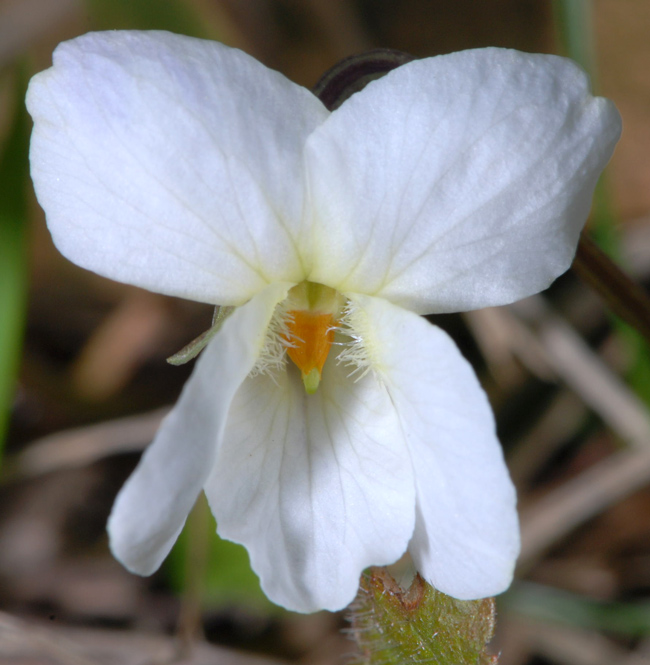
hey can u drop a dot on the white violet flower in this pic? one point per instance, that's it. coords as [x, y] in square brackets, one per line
[330, 425]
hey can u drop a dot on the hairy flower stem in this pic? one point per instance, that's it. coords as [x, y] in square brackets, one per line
[420, 625]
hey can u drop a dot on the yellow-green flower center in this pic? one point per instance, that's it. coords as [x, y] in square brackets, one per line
[313, 313]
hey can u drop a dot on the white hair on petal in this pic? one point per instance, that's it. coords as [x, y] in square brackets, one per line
[356, 351]
[353, 337]
[273, 356]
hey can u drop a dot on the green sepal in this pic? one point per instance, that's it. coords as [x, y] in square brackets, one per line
[420, 625]
[195, 347]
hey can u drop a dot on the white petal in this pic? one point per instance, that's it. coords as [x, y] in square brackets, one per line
[316, 487]
[459, 181]
[172, 163]
[151, 508]
[466, 536]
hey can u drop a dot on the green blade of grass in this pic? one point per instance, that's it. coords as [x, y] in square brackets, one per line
[574, 26]
[14, 176]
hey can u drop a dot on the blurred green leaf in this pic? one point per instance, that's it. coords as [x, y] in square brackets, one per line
[14, 176]
[219, 569]
[556, 606]
[639, 373]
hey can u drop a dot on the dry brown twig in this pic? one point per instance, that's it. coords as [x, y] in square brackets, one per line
[623, 295]
[571, 359]
[561, 420]
[86, 445]
[25, 641]
[567, 645]
[125, 339]
[608, 481]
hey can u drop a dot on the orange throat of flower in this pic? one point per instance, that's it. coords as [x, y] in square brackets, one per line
[310, 337]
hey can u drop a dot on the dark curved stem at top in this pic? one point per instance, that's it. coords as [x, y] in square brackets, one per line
[354, 73]
[623, 295]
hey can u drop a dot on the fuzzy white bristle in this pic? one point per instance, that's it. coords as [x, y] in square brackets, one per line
[356, 351]
[273, 356]
[353, 338]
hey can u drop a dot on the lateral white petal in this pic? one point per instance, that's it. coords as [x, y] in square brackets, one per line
[459, 181]
[172, 163]
[151, 508]
[466, 537]
[316, 487]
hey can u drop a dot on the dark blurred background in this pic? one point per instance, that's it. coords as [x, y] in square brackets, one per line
[84, 382]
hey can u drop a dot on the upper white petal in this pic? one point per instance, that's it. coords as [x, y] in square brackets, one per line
[151, 508]
[317, 487]
[459, 181]
[172, 163]
[466, 537]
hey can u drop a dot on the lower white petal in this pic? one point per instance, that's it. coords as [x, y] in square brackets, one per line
[317, 487]
[466, 536]
[151, 508]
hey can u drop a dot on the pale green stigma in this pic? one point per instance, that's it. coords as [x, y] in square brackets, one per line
[311, 381]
